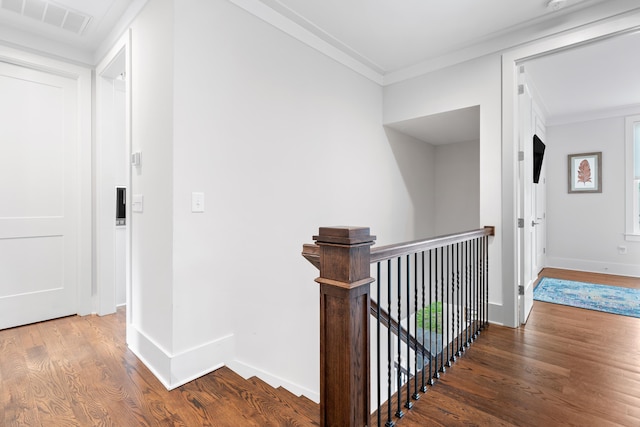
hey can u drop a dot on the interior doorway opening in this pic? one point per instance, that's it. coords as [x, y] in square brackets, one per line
[112, 214]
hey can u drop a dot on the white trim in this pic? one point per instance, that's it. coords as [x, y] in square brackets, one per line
[608, 113]
[120, 31]
[618, 269]
[248, 371]
[286, 25]
[632, 237]
[630, 193]
[175, 370]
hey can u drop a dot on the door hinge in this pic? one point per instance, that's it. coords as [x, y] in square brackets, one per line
[544, 251]
[520, 89]
[520, 156]
[520, 222]
[521, 290]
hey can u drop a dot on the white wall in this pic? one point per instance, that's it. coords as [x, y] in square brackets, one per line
[281, 140]
[150, 333]
[457, 187]
[468, 84]
[416, 160]
[585, 230]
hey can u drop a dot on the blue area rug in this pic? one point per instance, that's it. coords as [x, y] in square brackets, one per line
[610, 299]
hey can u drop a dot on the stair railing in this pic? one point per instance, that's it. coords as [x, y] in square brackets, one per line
[429, 302]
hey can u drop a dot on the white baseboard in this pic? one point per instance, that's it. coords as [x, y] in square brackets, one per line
[631, 270]
[248, 371]
[174, 370]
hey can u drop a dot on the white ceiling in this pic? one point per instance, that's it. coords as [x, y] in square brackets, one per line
[450, 127]
[390, 35]
[103, 14]
[589, 80]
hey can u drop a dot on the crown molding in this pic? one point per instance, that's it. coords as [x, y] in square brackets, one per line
[587, 116]
[297, 31]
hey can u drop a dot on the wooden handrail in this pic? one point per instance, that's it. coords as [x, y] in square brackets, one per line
[311, 252]
[383, 253]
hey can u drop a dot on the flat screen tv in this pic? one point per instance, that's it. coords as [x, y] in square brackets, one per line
[538, 156]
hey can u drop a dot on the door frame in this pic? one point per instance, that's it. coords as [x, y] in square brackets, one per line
[104, 244]
[510, 128]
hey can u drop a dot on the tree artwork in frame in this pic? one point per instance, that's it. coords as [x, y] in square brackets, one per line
[585, 173]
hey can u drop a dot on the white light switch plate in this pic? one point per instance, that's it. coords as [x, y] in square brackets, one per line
[137, 203]
[197, 202]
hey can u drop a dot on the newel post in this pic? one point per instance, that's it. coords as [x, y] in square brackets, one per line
[344, 325]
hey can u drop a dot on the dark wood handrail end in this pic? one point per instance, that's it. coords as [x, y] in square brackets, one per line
[492, 229]
[311, 252]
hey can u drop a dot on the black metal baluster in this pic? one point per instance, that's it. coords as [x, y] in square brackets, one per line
[432, 367]
[408, 404]
[442, 284]
[481, 326]
[477, 290]
[424, 340]
[448, 304]
[482, 255]
[378, 349]
[399, 412]
[467, 292]
[415, 396]
[436, 368]
[459, 301]
[486, 281]
[389, 422]
[453, 303]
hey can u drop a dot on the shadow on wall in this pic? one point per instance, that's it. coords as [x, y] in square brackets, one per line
[439, 159]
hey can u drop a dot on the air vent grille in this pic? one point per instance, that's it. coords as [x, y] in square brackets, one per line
[49, 13]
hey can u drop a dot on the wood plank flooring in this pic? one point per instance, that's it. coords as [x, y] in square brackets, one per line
[567, 366]
[77, 371]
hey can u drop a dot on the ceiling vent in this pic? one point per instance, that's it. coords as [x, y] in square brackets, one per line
[49, 13]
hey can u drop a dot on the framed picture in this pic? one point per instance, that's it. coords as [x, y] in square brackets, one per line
[585, 173]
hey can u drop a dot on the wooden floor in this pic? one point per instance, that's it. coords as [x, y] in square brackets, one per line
[567, 366]
[77, 371]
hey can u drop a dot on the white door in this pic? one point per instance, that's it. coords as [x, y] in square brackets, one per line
[526, 212]
[538, 201]
[39, 200]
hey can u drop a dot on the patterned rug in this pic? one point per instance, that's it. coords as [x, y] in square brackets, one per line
[610, 299]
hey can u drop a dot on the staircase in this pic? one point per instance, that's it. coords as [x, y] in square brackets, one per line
[252, 402]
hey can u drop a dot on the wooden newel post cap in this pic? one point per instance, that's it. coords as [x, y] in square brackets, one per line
[345, 254]
[344, 235]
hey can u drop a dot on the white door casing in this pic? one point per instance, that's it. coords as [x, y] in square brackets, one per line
[539, 202]
[45, 270]
[526, 194]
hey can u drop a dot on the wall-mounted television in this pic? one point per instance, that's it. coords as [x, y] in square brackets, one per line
[538, 156]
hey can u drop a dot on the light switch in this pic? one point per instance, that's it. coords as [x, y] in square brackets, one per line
[137, 203]
[197, 202]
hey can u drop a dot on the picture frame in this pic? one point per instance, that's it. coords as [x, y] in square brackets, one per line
[585, 172]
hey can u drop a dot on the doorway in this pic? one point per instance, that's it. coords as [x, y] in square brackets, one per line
[112, 181]
[511, 60]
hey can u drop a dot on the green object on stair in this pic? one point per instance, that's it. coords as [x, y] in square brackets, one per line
[431, 315]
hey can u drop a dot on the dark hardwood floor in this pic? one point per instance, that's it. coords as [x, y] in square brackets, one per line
[567, 366]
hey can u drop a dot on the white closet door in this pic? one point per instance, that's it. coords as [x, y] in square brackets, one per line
[39, 197]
